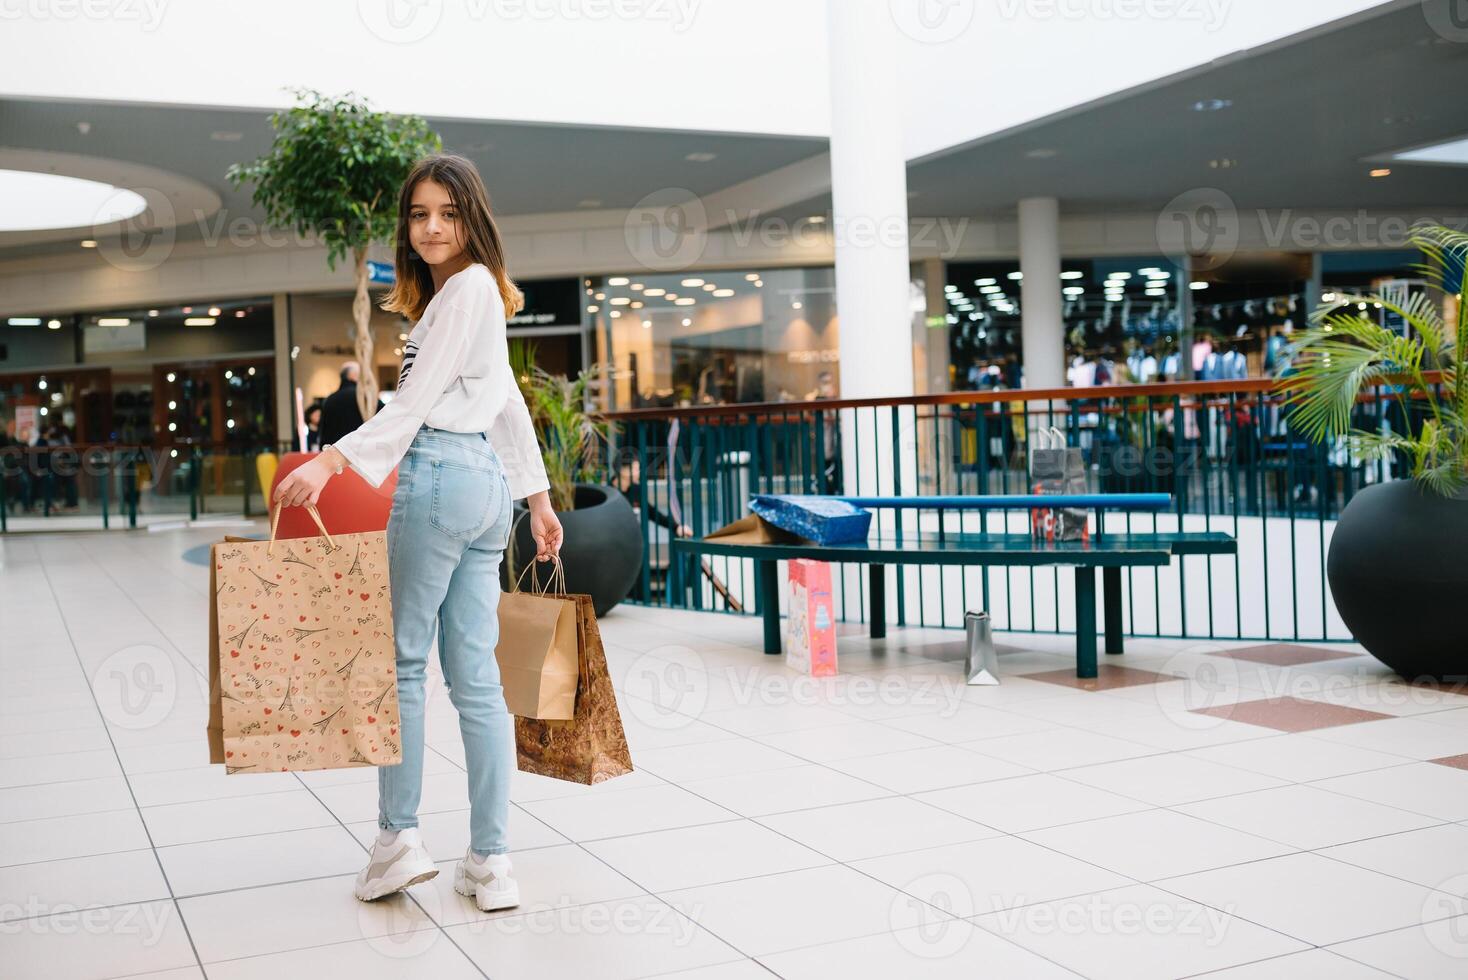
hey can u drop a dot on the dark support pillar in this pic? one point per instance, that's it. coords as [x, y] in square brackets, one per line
[769, 603]
[1085, 621]
[878, 578]
[1111, 598]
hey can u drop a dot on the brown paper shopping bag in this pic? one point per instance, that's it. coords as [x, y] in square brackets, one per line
[591, 747]
[301, 659]
[538, 651]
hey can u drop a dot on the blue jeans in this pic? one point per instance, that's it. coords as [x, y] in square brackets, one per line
[446, 536]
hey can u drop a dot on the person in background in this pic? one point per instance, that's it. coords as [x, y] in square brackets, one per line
[339, 413]
[313, 427]
[15, 467]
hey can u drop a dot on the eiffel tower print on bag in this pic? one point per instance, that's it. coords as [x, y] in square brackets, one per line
[302, 666]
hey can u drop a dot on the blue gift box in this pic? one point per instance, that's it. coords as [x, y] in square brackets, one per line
[819, 519]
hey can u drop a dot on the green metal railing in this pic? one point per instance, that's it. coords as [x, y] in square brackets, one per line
[1224, 450]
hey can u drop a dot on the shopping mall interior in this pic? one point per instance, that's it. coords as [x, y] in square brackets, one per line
[934, 258]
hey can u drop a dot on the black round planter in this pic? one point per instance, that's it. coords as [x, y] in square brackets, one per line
[1398, 570]
[601, 548]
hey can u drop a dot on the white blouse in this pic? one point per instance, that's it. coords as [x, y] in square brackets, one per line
[456, 376]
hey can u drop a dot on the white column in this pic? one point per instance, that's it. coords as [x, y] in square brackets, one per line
[1042, 325]
[869, 205]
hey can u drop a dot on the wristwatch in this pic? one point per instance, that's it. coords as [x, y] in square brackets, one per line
[338, 467]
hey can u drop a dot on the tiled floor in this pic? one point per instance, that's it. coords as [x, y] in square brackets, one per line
[1257, 811]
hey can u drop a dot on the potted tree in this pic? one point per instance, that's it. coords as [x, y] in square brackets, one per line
[1398, 562]
[602, 549]
[333, 174]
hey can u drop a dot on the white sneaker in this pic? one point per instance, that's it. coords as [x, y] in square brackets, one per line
[394, 866]
[488, 882]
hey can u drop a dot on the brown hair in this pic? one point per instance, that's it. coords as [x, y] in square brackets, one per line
[481, 238]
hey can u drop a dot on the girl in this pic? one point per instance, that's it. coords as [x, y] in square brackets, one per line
[467, 447]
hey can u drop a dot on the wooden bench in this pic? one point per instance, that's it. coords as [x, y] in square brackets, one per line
[1110, 552]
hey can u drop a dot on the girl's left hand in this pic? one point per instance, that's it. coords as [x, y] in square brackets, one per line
[545, 527]
[303, 484]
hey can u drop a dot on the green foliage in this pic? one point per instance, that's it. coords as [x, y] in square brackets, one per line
[335, 169]
[1345, 351]
[571, 435]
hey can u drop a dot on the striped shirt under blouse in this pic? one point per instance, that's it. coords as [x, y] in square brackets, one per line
[455, 375]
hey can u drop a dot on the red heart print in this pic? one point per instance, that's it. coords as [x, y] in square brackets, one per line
[252, 605]
[337, 574]
[303, 619]
[344, 731]
[295, 732]
[365, 595]
[234, 653]
[267, 711]
[296, 656]
[279, 577]
[371, 719]
[257, 667]
[279, 728]
[392, 731]
[229, 755]
[265, 615]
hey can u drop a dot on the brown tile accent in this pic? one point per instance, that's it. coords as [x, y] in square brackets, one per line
[1291, 714]
[1456, 761]
[1285, 654]
[1108, 677]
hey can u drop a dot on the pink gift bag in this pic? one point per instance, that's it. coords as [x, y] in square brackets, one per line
[810, 635]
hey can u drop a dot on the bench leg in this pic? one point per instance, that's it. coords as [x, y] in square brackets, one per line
[769, 603]
[1111, 599]
[1085, 621]
[877, 576]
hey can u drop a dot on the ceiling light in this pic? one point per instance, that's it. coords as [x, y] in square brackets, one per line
[1381, 172]
[1212, 105]
[54, 325]
[1040, 153]
[228, 375]
[24, 321]
[985, 282]
[709, 287]
[601, 296]
[646, 324]
[589, 202]
[171, 376]
[89, 243]
[687, 322]
[655, 291]
[817, 219]
[615, 314]
[795, 305]
[1156, 292]
[621, 300]
[700, 157]
[950, 288]
[198, 321]
[684, 301]
[691, 283]
[618, 281]
[152, 312]
[1073, 290]
[987, 290]
[188, 309]
[38, 201]
[636, 287]
[251, 372]
[637, 304]
[226, 136]
[113, 321]
[1197, 286]
[593, 308]
[1016, 276]
[1223, 163]
[751, 277]
[759, 283]
[213, 311]
[1072, 275]
[723, 292]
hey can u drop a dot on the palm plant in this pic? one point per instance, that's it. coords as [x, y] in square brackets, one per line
[571, 434]
[1345, 351]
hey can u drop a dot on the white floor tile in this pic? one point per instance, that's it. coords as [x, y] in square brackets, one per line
[446, 833]
[264, 859]
[851, 831]
[795, 788]
[1431, 951]
[845, 741]
[206, 783]
[1436, 857]
[1030, 802]
[1411, 737]
[65, 767]
[1166, 780]
[966, 723]
[1137, 933]
[424, 953]
[1297, 758]
[1313, 964]
[620, 940]
[584, 818]
[81, 835]
[64, 799]
[1313, 898]
[1059, 748]
[798, 908]
[44, 888]
[1305, 817]
[188, 823]
[986, 875]
[730, 757]
[704, 855]
[1154, 844]
[97, 943]
[1422, 787]
[928, 768]
[297, 915]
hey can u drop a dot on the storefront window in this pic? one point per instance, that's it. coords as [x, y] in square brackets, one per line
[715, 338]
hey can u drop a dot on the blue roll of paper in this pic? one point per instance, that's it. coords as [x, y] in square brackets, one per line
[818, 519]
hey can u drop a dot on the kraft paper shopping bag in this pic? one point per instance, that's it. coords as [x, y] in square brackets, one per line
[538, 650]
[302, 662]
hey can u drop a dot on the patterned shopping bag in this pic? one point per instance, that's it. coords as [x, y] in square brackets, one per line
[302, 664]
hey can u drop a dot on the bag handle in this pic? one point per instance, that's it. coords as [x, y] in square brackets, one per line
[315, 515]
[558, 574]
